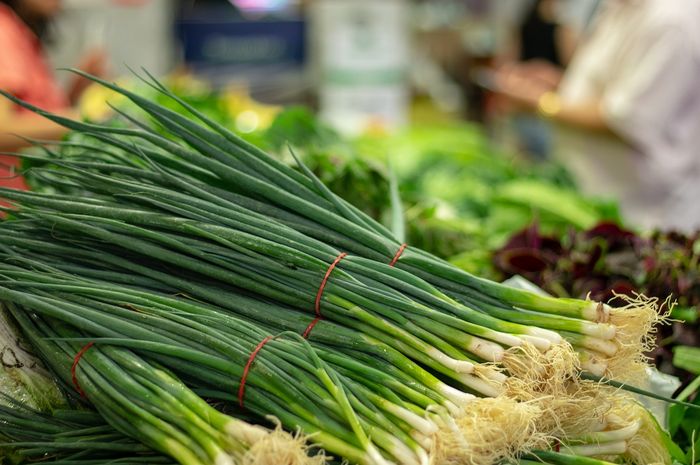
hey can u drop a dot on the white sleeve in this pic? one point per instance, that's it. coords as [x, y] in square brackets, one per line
[644, 100]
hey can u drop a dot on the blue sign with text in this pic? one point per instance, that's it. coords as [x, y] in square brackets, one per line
[249, 44]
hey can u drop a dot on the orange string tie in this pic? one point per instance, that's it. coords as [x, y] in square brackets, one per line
[330, 269]
[311, 326]
[246, 370]
[398, 254]
[319, 294]
[74, 367]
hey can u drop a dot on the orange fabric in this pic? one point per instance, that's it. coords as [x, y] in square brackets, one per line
[24, 72]
[9, 177]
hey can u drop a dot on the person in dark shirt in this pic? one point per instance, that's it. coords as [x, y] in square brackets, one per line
[540, 34]
[544, 43]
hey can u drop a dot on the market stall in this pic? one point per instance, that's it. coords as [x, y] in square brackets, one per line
[203, 269]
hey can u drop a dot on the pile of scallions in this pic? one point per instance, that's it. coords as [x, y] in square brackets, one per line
[196, 298]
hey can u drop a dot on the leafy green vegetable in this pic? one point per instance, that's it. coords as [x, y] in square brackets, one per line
[687, 358]
[460, 194]
[22, 376]
[551, 204]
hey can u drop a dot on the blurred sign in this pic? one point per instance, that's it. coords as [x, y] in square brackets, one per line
[244, 43]
[362, 54]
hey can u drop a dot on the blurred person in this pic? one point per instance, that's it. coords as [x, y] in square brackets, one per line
[25, 73]
[628, 109]
[545, 39]
[543, 36]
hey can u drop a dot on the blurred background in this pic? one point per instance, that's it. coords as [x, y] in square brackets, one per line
[552, 140]
[359, 63]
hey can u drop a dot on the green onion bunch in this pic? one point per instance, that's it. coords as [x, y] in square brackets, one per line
[198, 265]
[282, 383]
[399, 408]
[68, 437]
[144, 400]
[207, 163]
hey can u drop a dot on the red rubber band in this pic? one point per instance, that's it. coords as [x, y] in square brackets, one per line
[310, 327]
[246, 370]
[317, 305]
[398, 254]
[557, 445]
[73, 368]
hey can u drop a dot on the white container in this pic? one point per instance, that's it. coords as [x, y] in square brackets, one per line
[360, 49]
